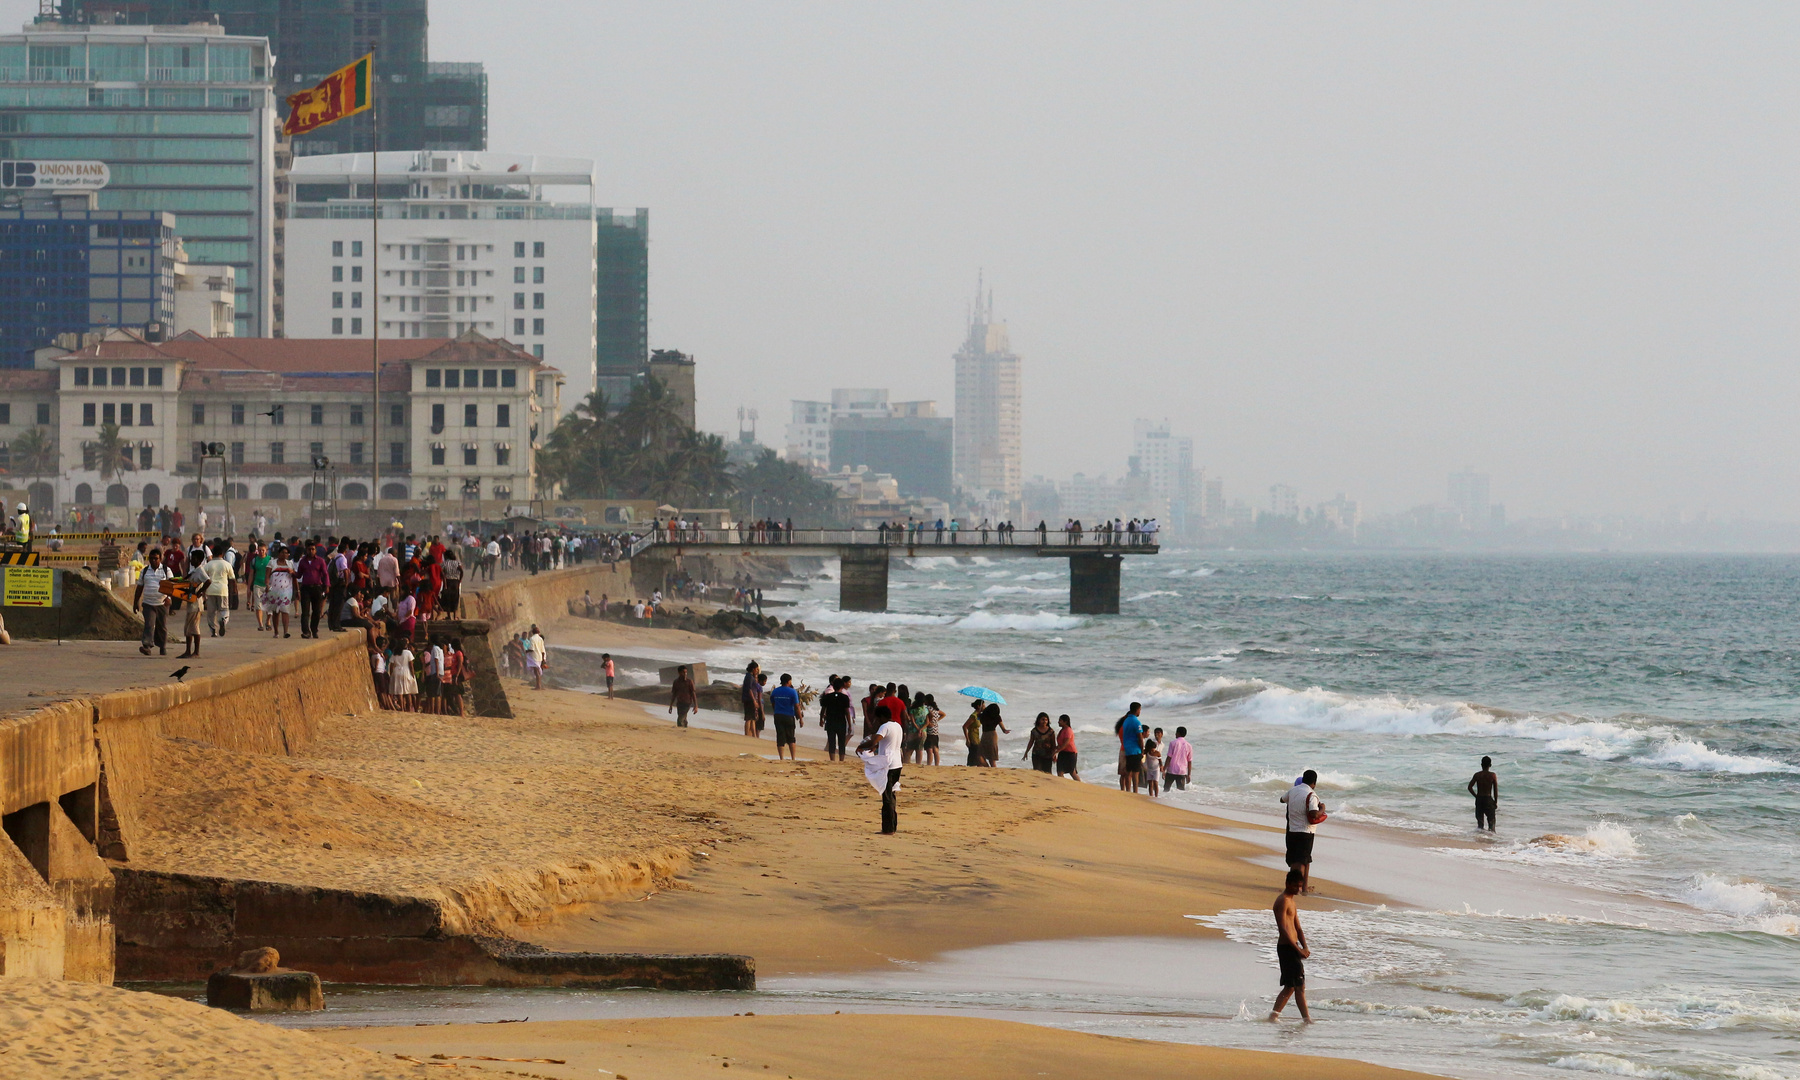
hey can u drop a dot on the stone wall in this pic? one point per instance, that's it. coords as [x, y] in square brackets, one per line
[510, 607]
[269, 706]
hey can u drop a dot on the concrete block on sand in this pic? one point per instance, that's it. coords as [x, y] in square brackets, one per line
[260, 984]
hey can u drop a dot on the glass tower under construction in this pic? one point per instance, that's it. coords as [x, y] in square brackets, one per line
[421, 105]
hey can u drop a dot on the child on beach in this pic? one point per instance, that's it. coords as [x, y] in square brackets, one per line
[933, 714]
[1153, 761]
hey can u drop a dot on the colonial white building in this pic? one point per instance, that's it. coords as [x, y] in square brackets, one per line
[458, 419]
[501, 244]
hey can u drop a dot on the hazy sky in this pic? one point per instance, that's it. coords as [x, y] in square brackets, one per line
[1349, 247]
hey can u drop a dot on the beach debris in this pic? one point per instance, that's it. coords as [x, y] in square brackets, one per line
[484, 1057]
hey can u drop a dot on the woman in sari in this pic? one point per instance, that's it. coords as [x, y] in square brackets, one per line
[431, 584]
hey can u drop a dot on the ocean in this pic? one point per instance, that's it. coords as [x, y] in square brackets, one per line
[1637, 914]
[1634, 916]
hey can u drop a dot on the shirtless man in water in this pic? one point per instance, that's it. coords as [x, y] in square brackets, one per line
[1485, 786]
[1290, 949]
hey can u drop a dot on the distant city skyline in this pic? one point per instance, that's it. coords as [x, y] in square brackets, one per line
[1350, 252]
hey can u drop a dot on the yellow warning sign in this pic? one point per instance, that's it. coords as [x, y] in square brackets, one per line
[28, 586]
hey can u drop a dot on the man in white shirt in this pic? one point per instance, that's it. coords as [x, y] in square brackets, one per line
[150, 601]
[387, 569]
[881, 766]
[219, 578]
[1304, 812]
[490, 559]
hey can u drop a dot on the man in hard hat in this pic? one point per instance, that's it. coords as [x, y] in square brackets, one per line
[25, 528]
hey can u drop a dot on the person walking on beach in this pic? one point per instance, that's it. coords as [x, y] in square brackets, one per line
[1178, 761]
[1040, 744]
[682, 694]
[1066, 756]
[834, 716]
[1304, 812]
[1485, 786]
[881, 766]
[1290, 948]
[607, 661]
[784, 702]
[536, 656]
[1131, 744]
[751, 695]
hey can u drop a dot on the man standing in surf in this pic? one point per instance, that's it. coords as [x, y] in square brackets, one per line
[1304, 812]
[1485, 786]
[1290, 948]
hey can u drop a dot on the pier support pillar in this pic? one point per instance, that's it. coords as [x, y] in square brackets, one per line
[1094, 584]
[863, 579]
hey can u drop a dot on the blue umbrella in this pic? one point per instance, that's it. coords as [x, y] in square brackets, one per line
[982, 693]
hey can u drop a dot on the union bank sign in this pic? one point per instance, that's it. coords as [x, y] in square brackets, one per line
[54, 175]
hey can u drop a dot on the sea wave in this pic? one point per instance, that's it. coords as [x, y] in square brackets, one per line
[1325, 710]
[1603, 840]
[1043, 620]
[1148, 595]
[1612, 1065]
[1337, 781]
[1021, 590]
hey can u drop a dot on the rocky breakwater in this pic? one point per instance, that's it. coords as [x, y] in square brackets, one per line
[723, 624]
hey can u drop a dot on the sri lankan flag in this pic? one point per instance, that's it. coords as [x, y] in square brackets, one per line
[345, 92]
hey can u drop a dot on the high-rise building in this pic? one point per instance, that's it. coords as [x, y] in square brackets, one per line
[809, 434]
[183, 116]
[1469, 497]
[502, 244]
[422, 105]
[989, 410]
[913, 445]
[1167, 465]
[1284, 501]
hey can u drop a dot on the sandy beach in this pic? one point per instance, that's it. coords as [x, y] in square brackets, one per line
[588, 824]
[835, 1047]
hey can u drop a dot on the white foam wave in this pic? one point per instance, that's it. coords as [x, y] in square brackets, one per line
[1612, 1065]
[1043, 620]
[1742, 898]
[1605, 840]
[1021, 590]
[1167, 694]
[930, 562]
[1041, 575]
[1325, 710]
[1280, 781]
[1148, 595]
[1178, 572]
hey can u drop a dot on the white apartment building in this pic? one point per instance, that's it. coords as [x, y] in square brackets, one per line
[501, 244]
[1166, 464]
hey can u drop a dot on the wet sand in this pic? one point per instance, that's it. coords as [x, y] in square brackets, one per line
[837, 1047]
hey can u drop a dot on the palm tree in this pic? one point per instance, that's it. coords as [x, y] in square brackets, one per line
[111, 454]
[34, 454]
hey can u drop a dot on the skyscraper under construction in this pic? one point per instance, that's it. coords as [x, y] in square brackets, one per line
[989, 412]
[423, 105]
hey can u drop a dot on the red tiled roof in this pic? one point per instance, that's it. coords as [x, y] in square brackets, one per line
[20, 379]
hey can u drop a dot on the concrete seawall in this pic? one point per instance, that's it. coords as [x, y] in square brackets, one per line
[76, 779]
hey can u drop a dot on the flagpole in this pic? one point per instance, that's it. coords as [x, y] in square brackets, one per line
[375, 240]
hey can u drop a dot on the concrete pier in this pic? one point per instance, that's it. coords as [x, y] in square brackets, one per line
[863, 579]
[863, 555]
[1094, 584]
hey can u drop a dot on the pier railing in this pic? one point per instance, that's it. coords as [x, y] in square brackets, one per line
[748, 535]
